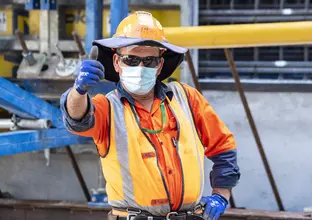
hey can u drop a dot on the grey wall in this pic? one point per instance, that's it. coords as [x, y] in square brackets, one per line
[26, 176]
[284, 123]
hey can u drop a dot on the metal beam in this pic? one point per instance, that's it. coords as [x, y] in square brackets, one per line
[148, 3]
[253, 19]
[119, 10]
[39, 86]
[264, 12]
[18, 101]
[259, 70]
[189, 17]
[78, 173]
[44, 35]
[254, 129]
[34, 45]
[17, 123]
[32, 4]
[257, 64]
[214, 36]
[48, 4]
[244, 35]
[94, 21]
[257, 85]
[34, 140]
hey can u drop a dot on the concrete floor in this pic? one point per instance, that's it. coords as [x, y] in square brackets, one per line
[285, 125]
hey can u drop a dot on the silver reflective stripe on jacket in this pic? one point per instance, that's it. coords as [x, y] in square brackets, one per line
[121, 139]
[179, 96]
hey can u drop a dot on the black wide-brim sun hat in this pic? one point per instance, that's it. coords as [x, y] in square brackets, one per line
[173, 55]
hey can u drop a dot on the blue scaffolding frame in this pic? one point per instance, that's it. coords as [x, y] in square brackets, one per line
[26, 105]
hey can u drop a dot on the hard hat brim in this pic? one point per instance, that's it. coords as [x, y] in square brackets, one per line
[173, 56]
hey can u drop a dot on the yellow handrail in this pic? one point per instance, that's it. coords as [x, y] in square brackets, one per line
[241, 35]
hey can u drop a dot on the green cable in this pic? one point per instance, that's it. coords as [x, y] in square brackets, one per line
[163, 120]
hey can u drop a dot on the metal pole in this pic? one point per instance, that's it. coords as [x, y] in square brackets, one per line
[25, 123]
[253, 128]
[78, 173]
[81, 50]
[6, 124]
[118, 11]
[94, 22]
[232, 202]
[192, 69]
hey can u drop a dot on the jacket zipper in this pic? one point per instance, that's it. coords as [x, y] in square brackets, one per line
[176, 144]
[161, 173]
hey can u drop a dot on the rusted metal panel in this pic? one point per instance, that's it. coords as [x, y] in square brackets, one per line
[59, 210]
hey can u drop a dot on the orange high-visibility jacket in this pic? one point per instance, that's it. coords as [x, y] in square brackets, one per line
[133, 181]
[137, 169]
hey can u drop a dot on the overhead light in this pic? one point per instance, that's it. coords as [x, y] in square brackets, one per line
[287, 11]
[280, 63]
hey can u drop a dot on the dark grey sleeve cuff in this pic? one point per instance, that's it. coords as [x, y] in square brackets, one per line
[225, 171]
[71, 124]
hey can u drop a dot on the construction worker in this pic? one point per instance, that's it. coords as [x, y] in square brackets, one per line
[151, 137]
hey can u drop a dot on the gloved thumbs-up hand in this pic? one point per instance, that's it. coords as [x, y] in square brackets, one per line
[90, 73]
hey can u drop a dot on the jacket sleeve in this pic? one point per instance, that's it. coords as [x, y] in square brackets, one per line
[219, 143]
[94, 124]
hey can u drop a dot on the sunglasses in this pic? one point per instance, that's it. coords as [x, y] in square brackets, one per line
[132, 60]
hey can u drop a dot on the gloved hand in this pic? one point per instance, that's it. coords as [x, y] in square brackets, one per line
[215, 205]
[91, 71]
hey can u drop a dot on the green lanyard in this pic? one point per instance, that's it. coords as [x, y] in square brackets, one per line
[163, 120]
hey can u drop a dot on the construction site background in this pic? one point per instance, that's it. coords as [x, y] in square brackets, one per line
[282, 112]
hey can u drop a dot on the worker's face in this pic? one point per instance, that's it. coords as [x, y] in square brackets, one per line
[139, 51]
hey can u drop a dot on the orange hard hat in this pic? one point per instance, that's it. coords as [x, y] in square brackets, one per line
[142, 25]
[139, 28]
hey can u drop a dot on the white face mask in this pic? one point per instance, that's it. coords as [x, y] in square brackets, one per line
[138, 80]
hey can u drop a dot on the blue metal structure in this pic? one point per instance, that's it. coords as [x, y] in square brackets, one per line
[24, 104]
[31, 140]
[118, 11]
[94, 22]
[37, 86]
[32, 4]
[48, 4]
[19, 101]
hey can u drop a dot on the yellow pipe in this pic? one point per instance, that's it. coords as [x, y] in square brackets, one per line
[241, 35]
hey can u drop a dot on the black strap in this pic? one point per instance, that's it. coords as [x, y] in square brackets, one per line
[137, 214]
[144, 217]
[140, 217]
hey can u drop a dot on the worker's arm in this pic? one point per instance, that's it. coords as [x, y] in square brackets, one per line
[219, 143]
[90, 73]
[77, 104]
[94, 123]
[80, 120]
[220, 147]
[85, 116]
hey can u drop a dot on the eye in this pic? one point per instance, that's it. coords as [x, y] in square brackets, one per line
[148, 58]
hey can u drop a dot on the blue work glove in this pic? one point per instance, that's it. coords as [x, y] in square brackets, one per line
[215, 206]
[91, 72]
